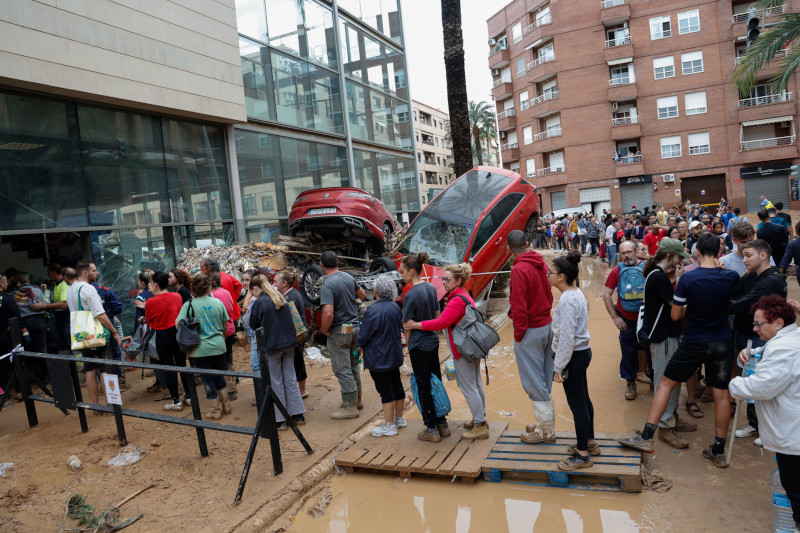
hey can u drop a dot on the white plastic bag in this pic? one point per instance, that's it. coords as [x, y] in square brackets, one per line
[5, 467]
[127, 455]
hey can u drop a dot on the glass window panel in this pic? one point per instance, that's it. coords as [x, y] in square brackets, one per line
[332, 161]
[303, 28]
[357, 109]
[383, 15]
[40, 176]
[369, 60]
[251, 19]
[266, 230]
[298, 175]
[197, 171]
[123, 161]
[259, 168]
[258, 96]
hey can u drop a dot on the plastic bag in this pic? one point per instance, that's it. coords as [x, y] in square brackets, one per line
[5, 467]
[84, 330]
[127, 455]
[441, 403]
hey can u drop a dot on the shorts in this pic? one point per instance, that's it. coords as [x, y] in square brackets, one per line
[95, 353]
[388, 385]
[717, 356]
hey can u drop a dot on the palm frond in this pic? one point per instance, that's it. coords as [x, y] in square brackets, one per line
[786, 68]
[764, 49]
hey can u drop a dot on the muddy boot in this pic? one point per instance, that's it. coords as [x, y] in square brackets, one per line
[544, 430]
[348, 409]
[444, 431]
[224, 401]
[359, 405]
[684, 426]
[479, 431]
[630, 391]
[670, 437]
[215, 413]
[430, 435]
[232, 393]
[469, 425]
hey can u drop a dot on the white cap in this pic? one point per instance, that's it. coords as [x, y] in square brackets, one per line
[694, 223]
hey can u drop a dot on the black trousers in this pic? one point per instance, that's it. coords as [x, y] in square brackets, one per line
[388, 385]
[300, 362]
[577, 390]
[424, 363]
[789, 468]
[169, 353]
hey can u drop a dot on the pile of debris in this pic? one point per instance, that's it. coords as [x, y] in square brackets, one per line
[236, 258]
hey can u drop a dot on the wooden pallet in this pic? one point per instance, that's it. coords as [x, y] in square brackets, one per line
[616, 469]
[405, 454]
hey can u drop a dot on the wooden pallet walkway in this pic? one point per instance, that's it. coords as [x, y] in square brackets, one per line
[405, 454]
[616, 469]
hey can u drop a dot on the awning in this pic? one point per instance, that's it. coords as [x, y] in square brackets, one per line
[621, 61]
[787, 118]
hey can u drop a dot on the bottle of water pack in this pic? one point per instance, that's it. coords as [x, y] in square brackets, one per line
[750, 369]
[782, 521]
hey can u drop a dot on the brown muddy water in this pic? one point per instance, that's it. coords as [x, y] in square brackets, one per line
[703, 497]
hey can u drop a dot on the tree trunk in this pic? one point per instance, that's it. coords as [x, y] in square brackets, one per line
[476, 135]
[457, 101]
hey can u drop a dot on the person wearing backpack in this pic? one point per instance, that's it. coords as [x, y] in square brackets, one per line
[468, 370]
[628, 281]
[663, 332]
[561, 233]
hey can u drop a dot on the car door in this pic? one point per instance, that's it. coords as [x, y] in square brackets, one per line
[489, 252]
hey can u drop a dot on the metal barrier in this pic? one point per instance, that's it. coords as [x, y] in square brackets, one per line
[66, 395]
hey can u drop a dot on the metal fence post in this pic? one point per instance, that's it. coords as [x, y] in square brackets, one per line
[22, 375]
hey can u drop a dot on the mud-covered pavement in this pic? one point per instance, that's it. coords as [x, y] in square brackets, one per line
[702, 498]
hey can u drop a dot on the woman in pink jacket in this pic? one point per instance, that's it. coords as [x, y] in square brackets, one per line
[468, 370]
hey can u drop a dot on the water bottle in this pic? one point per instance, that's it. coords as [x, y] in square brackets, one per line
[74, 463]
[782, 521]
[750, 367]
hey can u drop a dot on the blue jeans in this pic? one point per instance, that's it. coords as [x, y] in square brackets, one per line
[212, 384]
[611, 253]
[629, 346]
[251, 338]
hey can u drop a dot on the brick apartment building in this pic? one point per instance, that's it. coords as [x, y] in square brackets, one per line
[434, 151]
[619, 102]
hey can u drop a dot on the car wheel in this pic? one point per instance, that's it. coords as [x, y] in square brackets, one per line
[308, 284]
[380, 265]
[530, 228]
[387, 230]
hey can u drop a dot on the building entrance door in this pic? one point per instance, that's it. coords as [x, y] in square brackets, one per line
[704, 190]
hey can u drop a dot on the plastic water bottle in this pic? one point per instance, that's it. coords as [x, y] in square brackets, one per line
[74, 463]
[782, 521]
[750, 369]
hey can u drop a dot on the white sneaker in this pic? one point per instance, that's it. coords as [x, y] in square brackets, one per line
[384, 430]
[400, 422]
[745, 431]
[173, 406]
[757, 442]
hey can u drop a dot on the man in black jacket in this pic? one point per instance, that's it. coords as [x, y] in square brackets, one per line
[759, 280]
[773, 234]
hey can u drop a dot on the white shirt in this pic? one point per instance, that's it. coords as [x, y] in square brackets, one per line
[610, 231]
[90, 300]
[570, 327]
[733, 261]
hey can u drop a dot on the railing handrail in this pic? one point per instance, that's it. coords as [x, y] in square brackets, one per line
[619, 121]
[546, 134]
[509, 146]
[551, 170]
[768, 143]
[766, 99]
[498, 48]
[498, 82]
[627, 160]
[543, 59]
[624, 80]
[780, 54]
[770, 12]
[611, 3]
[552, 95]
[507, 113]
[611, 43]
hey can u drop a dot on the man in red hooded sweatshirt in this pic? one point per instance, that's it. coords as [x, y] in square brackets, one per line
[531, 300]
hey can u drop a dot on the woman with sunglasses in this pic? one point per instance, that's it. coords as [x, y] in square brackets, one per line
[572, 357]
[468, 370]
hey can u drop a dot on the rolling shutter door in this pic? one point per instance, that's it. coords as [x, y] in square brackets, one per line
[559, 200]
[595, 194]
[639, 194]
[775, 188]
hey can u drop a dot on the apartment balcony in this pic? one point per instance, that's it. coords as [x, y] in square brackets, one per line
[625, 128]
[617, 49]
[510, 151]
[550, 171]
[626, 166]
[770, 68]
[772, 142]
[614, 11]
[502, 89]
[506, 120]
[769, 13]
[536, 31]
[499, 57]
[766, 106]
[542, 68]
[545, 105]
[620, 89]
[760, 150]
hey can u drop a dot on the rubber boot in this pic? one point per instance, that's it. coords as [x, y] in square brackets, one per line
[225, 402]
[544, 430]
[349, 409]
[479, 431]
[359, 405]
[232, 393]
[215, 413]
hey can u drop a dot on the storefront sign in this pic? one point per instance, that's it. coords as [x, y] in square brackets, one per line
[771, 170]
[795, 186]
[630, 180]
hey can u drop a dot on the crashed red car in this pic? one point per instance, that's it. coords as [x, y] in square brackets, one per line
[342, 213]
[469, 222]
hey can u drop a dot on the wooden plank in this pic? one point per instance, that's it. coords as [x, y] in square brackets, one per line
[405, 462]
[392, 461]
[470, 464]
[551, 466]
[367, 458]
[567, 435]
[380, 459]
[512, 459]
[351, 455]
[436, 461]
[420, 462]
[455, 456]
[561, 449]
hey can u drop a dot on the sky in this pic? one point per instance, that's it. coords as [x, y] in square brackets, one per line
[422, 25]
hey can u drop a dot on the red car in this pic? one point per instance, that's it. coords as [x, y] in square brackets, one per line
[337, 213]
[469, 222]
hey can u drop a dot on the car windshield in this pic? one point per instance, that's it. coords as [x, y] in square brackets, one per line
[445, 227]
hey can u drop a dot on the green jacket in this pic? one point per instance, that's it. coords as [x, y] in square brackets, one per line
[213, 319]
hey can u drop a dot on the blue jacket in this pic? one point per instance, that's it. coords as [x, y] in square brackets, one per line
[379, 336]
[111, 303]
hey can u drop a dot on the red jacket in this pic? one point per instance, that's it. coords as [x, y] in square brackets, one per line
[453, 312]
[531, 297]
[234, 287]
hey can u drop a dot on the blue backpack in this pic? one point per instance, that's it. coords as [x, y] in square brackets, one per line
[630, 288]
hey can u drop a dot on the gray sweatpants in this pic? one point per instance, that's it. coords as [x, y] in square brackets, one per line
[662, 353]
[343, 362]
[284, 383]
[535, 362]
[468, 378]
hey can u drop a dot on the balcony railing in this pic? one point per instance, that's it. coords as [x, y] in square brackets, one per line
[771, 12]
[539, 60]
[552, 95]
[618, 41]
[622, 80]
[551, 170]
[541, 22]
[505, 114]
[498, 48]
[621, 121]
[630, 159]
[766, 99]
[508, 146]
[550, 132]
[498, 82]
[611, 3]
[768, 143]
[780, 54]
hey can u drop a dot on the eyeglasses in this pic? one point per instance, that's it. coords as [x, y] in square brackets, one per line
[758, 325]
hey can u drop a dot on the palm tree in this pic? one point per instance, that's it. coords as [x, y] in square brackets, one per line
[456, 85]
[784, 35]
[481, 121]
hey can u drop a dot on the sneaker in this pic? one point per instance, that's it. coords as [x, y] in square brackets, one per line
[282, 426]
[717, 458]
[630, 393]
[173, 406]
[670, 437]
[757, 442]
[187, 400]
[299, 420]
[684, 426]
[479, 431]
[746, 431]
[430, 435]
[638, 443]
[575, 462]
[400, 422]
[384, 430]
[593, 448]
